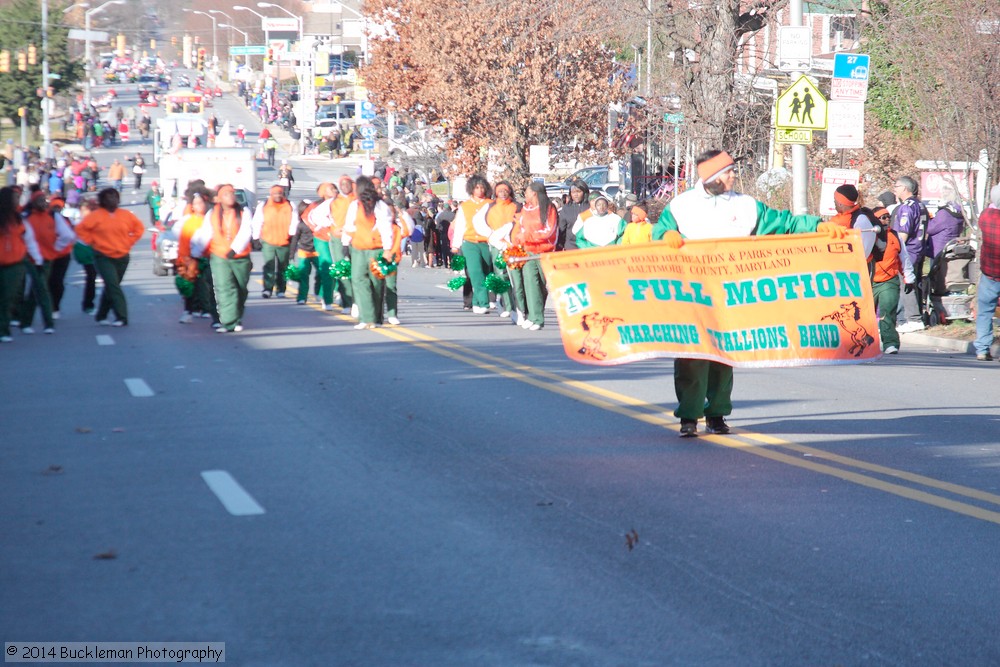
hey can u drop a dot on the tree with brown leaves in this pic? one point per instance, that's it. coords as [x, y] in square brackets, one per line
[498, 77]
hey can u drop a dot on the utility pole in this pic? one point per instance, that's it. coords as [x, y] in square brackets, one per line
[800, 162]
[46, 130]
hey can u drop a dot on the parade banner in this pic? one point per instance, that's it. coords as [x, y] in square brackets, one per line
[762, 301]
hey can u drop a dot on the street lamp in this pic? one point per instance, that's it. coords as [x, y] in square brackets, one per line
[364, 29]
[267, 35]
[215, 44]
[86, 64]
[222, 25]
[298, 18]
[246, 40]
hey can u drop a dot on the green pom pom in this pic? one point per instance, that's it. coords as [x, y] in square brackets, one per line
[500, 262]
[496, 284]
[184, 286]
[292, 273]
[456, 283]
[341, 269]
[458, 263]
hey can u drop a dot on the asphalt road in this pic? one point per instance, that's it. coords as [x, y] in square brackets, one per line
[456, 492]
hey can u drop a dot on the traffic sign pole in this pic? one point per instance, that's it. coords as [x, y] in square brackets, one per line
[800, 159]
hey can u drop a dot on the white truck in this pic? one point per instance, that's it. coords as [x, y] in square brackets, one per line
[215, 166]
[173, 132]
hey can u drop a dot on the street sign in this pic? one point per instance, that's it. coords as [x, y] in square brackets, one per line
[367, 110]
[368, 131]
[786, 136]
[279, 24]
[801, 107]
[833, 179]
[675, 118]
[251, 50]
[794, 48]
[367, 145]
[846, 127]
[850, 77]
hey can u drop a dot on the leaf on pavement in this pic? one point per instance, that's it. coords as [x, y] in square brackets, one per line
[83, 429]
[107, 555]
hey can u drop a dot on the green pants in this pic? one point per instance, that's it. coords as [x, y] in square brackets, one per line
[517, 297]
[367, 288]
[390, 295]
[343, 285]
[11, 277]
[231, 277]
[38, 295]
[111, 270]
[886, 302]
[704, 388]
[479, 264]
[275, 263]
[535, 292]
[325, 279]
[306, 265]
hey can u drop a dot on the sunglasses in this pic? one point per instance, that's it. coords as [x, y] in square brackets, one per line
[883, 217]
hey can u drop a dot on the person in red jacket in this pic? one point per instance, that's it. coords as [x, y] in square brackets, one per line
[988, 288]
[537, 229]
[111, 232]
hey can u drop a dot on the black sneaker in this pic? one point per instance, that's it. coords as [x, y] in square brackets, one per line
[716, 425]
[689, 428]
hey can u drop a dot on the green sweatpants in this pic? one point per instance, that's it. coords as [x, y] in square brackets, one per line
[111, 270]
[38, 295]
[367, 288]
[704, 388]
[343, 285]
[11, 277]
[325, 279]
[535, 291]
[231, 277]
[479, 264]
[886, 302]
[275, 263]
[306, 265]
[390, 295]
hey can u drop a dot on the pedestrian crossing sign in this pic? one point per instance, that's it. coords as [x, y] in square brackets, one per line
[801, 107]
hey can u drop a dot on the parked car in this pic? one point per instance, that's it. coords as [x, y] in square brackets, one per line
[595, 177]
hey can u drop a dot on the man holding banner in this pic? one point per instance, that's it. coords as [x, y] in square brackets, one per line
[712, 209]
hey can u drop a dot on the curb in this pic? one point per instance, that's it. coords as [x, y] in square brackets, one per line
[950, 344]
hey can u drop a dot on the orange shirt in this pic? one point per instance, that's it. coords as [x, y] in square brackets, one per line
[191, 225]
[338, 211]
[277, 220]
[469, 209]
[44, 226]
[111, 234]
[225, 227]
[12, 247]
[366, 236]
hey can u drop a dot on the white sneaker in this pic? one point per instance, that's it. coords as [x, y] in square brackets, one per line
[394, 321]
[910, 327]
[6, 339]
[186, 318]
[238, 328]
[327, 307]
[27, 330]
[364, 325]
[479, 310]
[520, 319]
[105, 323]
[355, 311]
[55, 314]
[280, 295]
[48, 330]
[117, 323]
[15, 323]
[892, 349]
[526, 324]
[534, 327]
[493, 305]
[505, 313]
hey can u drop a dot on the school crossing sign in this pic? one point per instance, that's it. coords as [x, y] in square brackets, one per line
[801, 107]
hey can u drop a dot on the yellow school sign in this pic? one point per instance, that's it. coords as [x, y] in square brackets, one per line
[801, 107]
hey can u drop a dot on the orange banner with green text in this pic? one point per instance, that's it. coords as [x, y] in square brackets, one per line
[762, 301]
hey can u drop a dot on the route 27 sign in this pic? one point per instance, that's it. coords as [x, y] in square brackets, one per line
[850, 77]
[801, 107]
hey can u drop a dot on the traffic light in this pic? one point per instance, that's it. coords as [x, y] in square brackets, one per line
[32, 55]
[269, 58]
[201, 60]
[22, 61]
[21, 112]
[173, 41]
[4, 61]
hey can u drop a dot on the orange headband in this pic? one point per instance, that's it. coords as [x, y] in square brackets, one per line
[639, 214]
[843, 200]
[714, 167]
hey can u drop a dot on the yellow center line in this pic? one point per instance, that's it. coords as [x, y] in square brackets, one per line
[639, 410]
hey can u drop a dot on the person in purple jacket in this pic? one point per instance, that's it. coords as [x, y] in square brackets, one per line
[909, 221]
[947, 224]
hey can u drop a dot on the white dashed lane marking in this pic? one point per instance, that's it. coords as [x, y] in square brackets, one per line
[138, 388]
[233, 496]
[105, 340]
